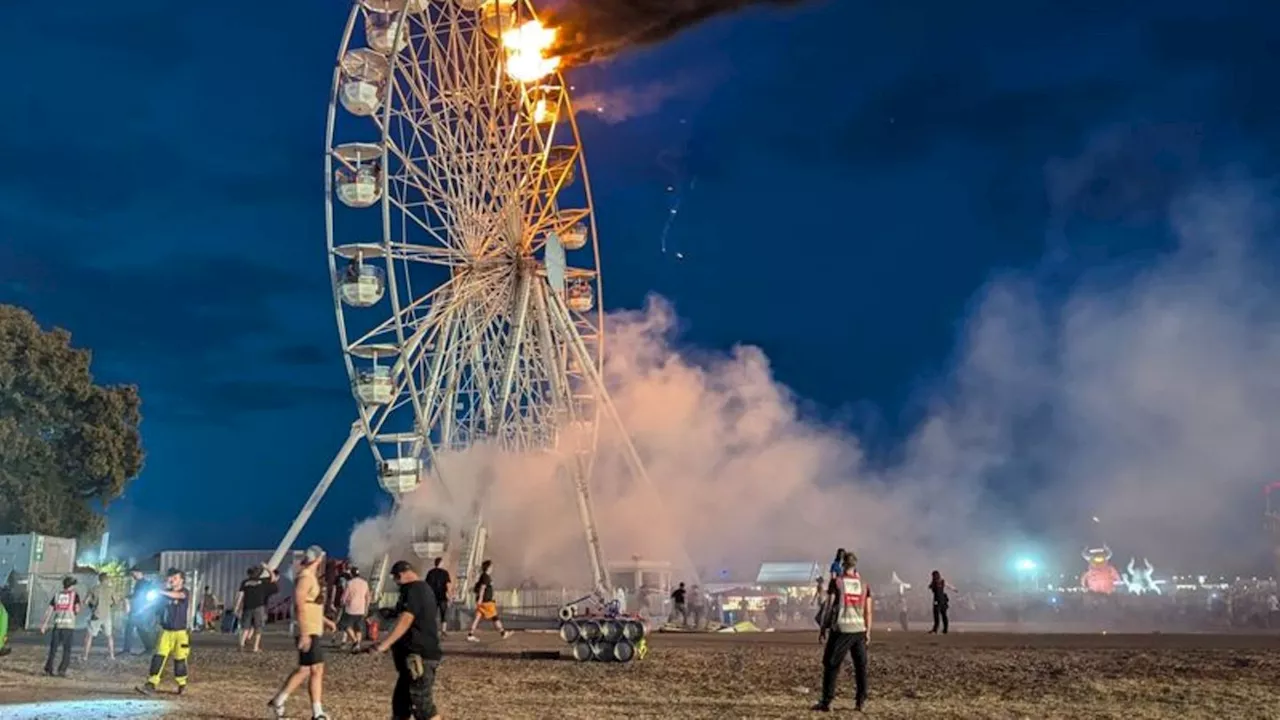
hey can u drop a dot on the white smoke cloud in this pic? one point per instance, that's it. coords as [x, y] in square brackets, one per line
[620, 104]
[1149, 399]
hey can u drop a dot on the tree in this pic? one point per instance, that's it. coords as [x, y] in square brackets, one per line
[68, 446]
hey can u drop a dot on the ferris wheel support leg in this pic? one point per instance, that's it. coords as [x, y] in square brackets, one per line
[381, 574]
[629, 454]
[357, 432]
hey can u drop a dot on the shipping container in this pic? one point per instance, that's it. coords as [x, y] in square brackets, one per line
[36, 554]
[223, 571]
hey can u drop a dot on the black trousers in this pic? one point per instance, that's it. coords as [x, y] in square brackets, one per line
[444, 614]
[838, 646]
[940, 616]
[59, 638]
[413, 698]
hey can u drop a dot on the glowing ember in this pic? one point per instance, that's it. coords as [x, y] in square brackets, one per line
[527, 48]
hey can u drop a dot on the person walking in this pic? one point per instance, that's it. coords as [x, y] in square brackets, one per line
[846, 630]
[355, 606]
[486, 608]
[62, 610]
[938, 587]
[414, 643]
[102, 600]
[679, 606]
[251, 603]
[139, 617]
[441, 583]
[174, 640]
[308, 599]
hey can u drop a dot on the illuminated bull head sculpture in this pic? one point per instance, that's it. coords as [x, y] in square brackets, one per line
[1097, 557]
[1101, 576]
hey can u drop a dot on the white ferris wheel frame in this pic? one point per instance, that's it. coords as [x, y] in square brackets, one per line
[508, 288]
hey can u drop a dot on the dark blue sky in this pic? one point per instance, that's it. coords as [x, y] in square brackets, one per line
[861, 170]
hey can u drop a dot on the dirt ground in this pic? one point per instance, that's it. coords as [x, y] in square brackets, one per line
[763, 675]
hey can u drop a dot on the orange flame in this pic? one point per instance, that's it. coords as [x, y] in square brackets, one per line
[527, 48]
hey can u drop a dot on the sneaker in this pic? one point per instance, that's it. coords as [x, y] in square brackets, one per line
[182, 689]
[146, 689]
[821, 707]
[5, 650]
[62, 673]
[277, 711]
[472, 638]
[507, 633]
[321, 716]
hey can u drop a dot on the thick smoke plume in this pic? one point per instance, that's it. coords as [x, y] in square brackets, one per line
[1149, 399]
[597, 29]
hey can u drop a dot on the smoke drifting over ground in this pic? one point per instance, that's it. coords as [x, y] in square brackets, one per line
[1150, 399]
[597, 29]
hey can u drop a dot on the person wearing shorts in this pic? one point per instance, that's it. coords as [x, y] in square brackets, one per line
[355, 606]
[486, 607]
[251, 604]
[308, 600]
[102, 601]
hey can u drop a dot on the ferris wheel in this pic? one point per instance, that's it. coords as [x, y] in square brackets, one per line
[463, 252]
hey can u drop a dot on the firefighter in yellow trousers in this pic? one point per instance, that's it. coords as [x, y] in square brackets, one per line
[174, 607]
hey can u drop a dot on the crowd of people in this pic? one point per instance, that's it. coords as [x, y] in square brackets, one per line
[161, 617]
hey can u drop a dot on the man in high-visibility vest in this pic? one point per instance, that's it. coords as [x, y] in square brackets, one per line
[846, 630]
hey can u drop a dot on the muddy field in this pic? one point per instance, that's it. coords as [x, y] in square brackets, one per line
[767, 675]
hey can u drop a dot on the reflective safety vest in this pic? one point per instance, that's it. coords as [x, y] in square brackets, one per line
[851, 594]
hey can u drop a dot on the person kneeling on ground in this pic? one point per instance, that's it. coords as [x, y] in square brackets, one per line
[846, 630]
[414, 643]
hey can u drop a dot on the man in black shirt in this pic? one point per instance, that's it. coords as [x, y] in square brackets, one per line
[678, 606]
[439, 581]
[251, 604]
[415, 646]
[139, 613]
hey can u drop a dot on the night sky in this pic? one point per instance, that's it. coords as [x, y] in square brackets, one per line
[859, 170]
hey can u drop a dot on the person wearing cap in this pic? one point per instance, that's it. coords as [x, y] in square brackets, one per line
[846, 630]
[414, 643]
[63, 609]
[175, 639]
[308, 599]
